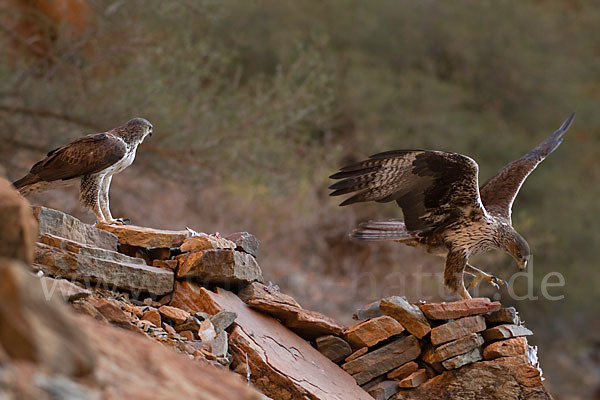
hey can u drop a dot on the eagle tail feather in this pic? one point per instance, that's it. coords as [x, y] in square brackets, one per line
[390, 230]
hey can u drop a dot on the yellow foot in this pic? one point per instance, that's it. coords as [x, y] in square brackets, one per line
[493, 280]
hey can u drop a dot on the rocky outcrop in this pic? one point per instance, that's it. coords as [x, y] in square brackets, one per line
[143, 295]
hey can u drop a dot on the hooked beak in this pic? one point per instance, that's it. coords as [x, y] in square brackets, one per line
[150, 132]
[523, 264]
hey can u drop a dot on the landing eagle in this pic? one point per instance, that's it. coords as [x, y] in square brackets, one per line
[91, 162]
[445, 211]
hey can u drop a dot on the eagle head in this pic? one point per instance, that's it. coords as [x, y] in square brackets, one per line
[134, 131]
[516, 246]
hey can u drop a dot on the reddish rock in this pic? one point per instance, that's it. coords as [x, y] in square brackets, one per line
[134, 310]
[146, 237]
[357, 354]
[186, 297]
[403, 371]
[384, 390]
[505, 331]
[456, 329]
[113, 313]
[510, 380]
[459, 309]
[373, 331]
[281, 364]
[152, 316]
[506, 348]
[463, 359]
[333, 347]
[503, 316]
[458, 346]
[384, 359]
[258, 293]
[175, 314]
[169, 329]
[219, 267]
[408, 315]
[205, 242]
[18, 227]
[166, 264]
[189, 335]
[415, 379]
[40, 329]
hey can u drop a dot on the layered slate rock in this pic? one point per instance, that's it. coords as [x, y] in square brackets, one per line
[505, 331]
[223, 267]
[146, 237]
[373, 331]
[308, 324]
[456, 329]
[59, 224]
[280, 363]
[463, 359]
[459, 309]
[124, 274]
[408, 315]
[490, 380]
[68, 291]
[403, 371]
[459, 346]
[414, 379]
[384, 390]
[384, 359]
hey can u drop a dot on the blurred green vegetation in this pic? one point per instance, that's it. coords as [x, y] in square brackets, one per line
[258, 102]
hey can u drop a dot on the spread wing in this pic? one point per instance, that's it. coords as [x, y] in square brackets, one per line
[431, 187]
[499, 193]
[88, 155]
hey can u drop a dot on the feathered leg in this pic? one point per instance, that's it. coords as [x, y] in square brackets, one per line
[453, 273]
[480, 275]
[105, 203]
[89, 195]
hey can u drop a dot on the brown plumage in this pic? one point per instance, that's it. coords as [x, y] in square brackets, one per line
[445, 211]
[90, 161]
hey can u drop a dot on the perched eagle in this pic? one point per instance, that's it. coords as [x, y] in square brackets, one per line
[91, 162]
[445, 211]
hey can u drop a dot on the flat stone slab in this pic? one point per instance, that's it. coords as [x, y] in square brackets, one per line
[219, 267]
[333, 347]
[415, 379]
[506, 348]
[107, 273]
[410, 316]
[357, 354]
[505, 331]
[384, 359]
[458, 347]
[257, 291]
[146, 237]
[503, 316]
[373, 331]
[459, 309]
[282, 365]
[63, 225]
[206, 242]
[463, 359]
[403, 371]
[456, 329]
